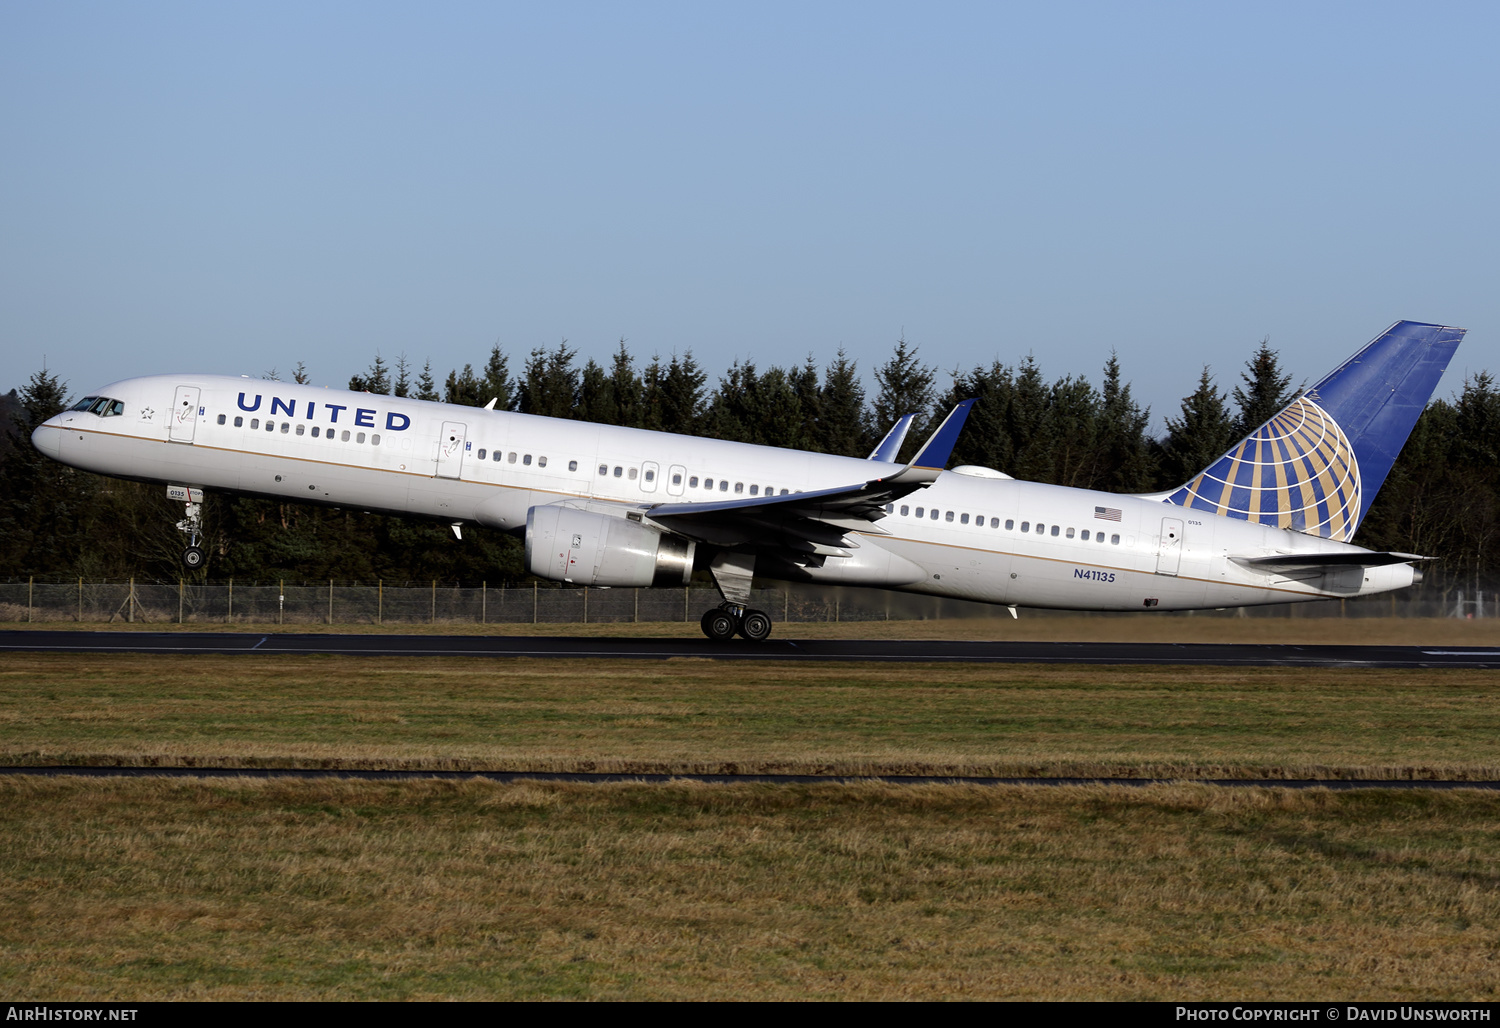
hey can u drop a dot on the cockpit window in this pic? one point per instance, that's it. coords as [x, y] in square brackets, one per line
[116, 408]
[100, 405]
[85, 403]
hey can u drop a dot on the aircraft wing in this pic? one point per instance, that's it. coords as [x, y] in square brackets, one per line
[814, 524]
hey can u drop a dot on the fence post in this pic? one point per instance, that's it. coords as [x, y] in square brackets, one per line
[434, 602]
[130, 599]
[80, 601]
[533, 603]
[380, 601]
[229, 617]
[585, 604]
[179, 601]
[685, 602]
[786, 605]
[30, 587]
[281, 601]
[330, 601]
[636, 617]
[484, 600]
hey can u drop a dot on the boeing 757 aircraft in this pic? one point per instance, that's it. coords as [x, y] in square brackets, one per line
[1268, 522]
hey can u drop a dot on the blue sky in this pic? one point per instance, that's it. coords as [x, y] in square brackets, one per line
[234, 188]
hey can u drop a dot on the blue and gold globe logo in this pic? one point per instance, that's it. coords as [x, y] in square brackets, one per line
[1297, 471]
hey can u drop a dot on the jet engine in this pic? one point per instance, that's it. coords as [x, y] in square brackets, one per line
[590, 547]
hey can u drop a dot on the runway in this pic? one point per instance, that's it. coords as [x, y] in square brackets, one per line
[286, 644]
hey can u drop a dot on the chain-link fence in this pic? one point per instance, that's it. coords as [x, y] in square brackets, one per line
[333, 603]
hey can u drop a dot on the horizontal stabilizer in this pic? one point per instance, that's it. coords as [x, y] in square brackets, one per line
[891, 444]
[938, 448]
[1282, 563]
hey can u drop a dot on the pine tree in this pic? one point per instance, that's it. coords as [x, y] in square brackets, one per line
[626, 389]
[1125, 462]
[905, 388]
[403, 376]
[464, 387]
[300, 375]
[843, 422]
[497, 384]
[1202, 435]
[426, 387]
[1264, 390]
[376, 380]
[550, 387]
[681, 395]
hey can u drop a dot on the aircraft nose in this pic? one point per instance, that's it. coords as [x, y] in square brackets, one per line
[48, 439]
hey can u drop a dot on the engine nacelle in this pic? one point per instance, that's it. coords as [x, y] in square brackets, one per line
[585, 547]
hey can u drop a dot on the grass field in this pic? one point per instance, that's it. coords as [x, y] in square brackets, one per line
[154, 888]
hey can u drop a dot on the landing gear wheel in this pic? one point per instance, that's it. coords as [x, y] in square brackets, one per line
[718, 625]
[755, 626]
[193, 558]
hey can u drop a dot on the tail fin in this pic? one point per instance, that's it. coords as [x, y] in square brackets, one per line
[1316, 466]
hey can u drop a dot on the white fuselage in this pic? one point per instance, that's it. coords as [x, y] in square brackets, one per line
[963, 536]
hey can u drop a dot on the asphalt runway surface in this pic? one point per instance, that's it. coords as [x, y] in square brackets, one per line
[286, 644]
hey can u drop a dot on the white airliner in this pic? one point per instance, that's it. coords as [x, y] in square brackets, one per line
[1269, 522]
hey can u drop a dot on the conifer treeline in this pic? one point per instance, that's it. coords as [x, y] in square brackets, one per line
[1442, 498]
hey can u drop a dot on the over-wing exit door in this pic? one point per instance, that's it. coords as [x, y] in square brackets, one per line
[451, 449]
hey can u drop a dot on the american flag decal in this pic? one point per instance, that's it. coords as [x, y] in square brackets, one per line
[1107, 513]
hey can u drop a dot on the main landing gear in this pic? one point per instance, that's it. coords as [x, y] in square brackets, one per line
[732, 574]
[727, 620]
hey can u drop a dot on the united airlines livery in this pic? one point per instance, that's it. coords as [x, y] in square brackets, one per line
[1269, 522]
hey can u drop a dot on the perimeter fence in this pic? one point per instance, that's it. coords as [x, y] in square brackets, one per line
[334, 603]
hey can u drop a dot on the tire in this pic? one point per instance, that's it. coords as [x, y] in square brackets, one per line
[719, 625]
[756, 626]
[193, 558]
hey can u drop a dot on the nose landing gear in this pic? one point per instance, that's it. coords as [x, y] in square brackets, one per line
[194, 556]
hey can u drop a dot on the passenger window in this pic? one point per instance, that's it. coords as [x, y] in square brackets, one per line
[344, 436]
[1070, 533]
[526, 460]
[1025, 526]
[1041, 529]
[603, 469]
[1114, 540]
[301, 429]
[239, 422]
[619, 471]
[676, 479]
[905, 510]
[949, 516]
[693, 482]
[270, 426]
[481, 453]
[650, 475]
[497, 456]
[632, 474]
[708, 483]
[890, 508]
[723, 485]
[1010, 524]
[754, 490]
[782, 493]
[511, 457]
[921, 511]
[541, 462]
[285, 428]
[315, 431]
[1099, 537]
[963, 519]
[255, 422]
[375, 439]
[934, 514]
[739, 487]
[359, 438]
[222, 419]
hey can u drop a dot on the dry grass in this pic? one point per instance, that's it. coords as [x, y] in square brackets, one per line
[1031, 627]
[685, 716]
[152, 889]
